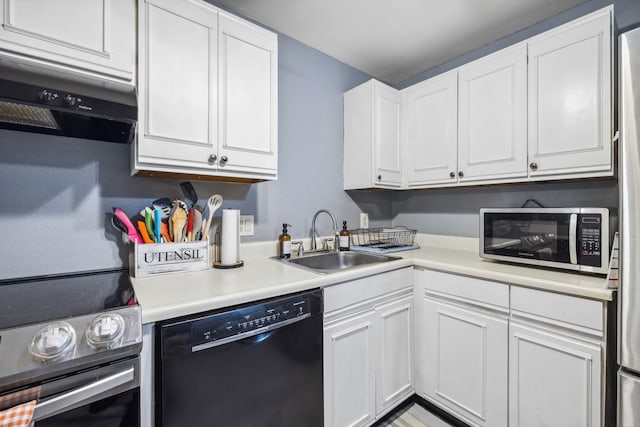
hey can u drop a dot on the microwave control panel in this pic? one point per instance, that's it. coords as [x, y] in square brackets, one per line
[589, 239]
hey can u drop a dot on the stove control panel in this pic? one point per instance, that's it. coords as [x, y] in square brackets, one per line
[58, 345]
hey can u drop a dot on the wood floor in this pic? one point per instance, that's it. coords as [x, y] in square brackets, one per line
[413, 415]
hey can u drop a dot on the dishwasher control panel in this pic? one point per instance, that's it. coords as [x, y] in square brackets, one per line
[228, 324]
[244, 321]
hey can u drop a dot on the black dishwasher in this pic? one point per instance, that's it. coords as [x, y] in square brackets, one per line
[252, 365]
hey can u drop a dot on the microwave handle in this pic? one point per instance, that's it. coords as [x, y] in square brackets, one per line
[573, 239]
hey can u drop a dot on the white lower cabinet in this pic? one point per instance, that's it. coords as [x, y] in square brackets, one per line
[394, 367]
[554, 380]
[462, 351]
[368, 348]
[464, 361]
[349, 371]
[492, 354]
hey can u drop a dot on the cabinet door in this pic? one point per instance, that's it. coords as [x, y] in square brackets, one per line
[178, 83]
[394, 363]
[570, 98]
[464, 362]
[554, 380]
[387, 136]
[349, 371]
[492, 132]
[431, 131]
[94, 35]
[248, 95]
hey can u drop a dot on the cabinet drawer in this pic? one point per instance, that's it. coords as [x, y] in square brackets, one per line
[363, 290]
[482, 292]
[575, 313]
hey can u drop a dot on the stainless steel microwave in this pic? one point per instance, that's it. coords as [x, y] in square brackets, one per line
[569, 238]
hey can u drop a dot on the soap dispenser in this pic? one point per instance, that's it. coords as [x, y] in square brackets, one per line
[285, 242]
[345, 237]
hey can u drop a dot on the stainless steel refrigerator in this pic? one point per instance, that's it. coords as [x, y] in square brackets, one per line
[629, 184]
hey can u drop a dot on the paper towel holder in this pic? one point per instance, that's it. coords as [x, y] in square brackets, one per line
[217, 263]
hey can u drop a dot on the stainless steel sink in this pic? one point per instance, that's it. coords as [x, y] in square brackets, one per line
[330, 262]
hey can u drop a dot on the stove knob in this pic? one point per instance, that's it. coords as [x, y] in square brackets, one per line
[70, 100]
[105, 331]
[54, 341]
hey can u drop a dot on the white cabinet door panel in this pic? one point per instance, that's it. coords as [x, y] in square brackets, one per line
[493, 116]
[349, 371]
[570, 98]
[248, 97]
[178, 124]
[395, 353]
[464, 362]
[94, 35]
[388, 136]
[553, 380]
[431, 131]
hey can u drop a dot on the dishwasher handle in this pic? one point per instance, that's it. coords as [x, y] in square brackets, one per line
[249, 334]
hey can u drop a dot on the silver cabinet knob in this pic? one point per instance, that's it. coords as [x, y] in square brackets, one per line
[223, 160]
[460, 174]
[533, 166]
[213, 158]
[452, 174]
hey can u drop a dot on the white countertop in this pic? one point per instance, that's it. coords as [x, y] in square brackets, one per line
[173, 295]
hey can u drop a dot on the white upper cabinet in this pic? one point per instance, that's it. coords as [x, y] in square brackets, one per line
[248, 104]
[492, 122]
[372, 137]
[178, 85]
[431, 131]
[538, 110]
[207, 94]
[90, 38]
[570, 98]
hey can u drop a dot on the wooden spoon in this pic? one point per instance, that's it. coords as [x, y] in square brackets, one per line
[197, 225]
[213, 204]
[178, 220]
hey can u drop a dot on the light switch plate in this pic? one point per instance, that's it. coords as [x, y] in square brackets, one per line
[246, 225]
[364, 220]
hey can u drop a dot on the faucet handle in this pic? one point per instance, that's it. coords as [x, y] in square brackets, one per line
[300, 251]
[325, 242]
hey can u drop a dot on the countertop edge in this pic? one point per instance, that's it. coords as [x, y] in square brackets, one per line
[459, 262]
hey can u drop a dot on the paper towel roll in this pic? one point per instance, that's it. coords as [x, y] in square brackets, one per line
[230, 244]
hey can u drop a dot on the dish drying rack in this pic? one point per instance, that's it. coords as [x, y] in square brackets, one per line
[383, 240]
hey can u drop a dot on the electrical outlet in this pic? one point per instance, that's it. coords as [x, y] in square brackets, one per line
[246, 225]
[364, 220]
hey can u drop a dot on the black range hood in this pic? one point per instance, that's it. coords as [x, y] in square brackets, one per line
[55, 108]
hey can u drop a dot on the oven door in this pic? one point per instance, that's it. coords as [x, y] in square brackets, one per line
[543, 238]
[105, 396]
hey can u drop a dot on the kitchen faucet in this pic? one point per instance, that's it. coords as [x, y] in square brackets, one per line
[313, 230]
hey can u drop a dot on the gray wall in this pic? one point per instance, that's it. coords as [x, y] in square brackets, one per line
[455, 211]
[56, 192]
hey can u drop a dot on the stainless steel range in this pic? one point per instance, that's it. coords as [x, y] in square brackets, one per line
[71, 343]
